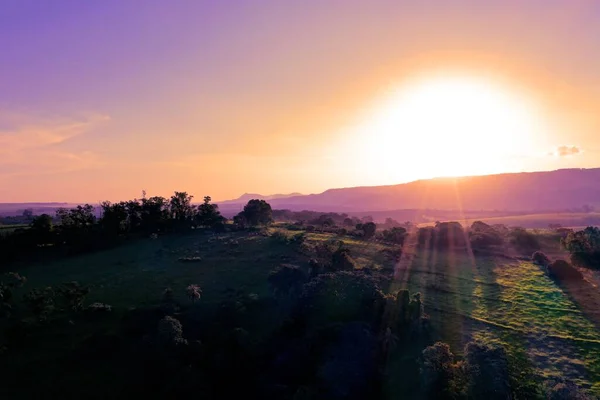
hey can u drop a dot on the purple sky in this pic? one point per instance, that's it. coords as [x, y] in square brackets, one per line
[101, 99]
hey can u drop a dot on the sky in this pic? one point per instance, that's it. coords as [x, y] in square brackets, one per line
[100, 100]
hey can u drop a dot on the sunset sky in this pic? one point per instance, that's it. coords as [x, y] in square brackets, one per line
[100, 100]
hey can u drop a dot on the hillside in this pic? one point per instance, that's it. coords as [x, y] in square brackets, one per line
[534, 191]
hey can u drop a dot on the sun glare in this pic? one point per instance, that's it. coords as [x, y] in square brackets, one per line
[448, 127]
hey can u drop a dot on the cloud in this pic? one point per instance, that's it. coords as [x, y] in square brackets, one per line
[564, 151]
[30, 144]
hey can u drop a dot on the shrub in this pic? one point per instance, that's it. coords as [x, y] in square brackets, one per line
[342, 297]
[523, 240]
[193, 292]
[98, 308]
[73, 295]
[563, 271]
[441, 376]
[40, 302]
[170, 332]
[342, 261]
[540, 258]
[560, 389]
[487, 369]
[584, 247]
[287, 279]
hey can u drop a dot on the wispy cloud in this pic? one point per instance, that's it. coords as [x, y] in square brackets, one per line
[32, 144]
[564, 151]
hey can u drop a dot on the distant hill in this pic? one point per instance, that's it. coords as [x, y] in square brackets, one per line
[533, 191]
[249, 196]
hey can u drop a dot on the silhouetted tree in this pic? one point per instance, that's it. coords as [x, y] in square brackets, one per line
[208, 214]
[181, 207]
[41, 228]
[256, 212]
[369, 229]
[584, 247]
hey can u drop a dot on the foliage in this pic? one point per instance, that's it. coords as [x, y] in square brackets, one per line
[394, 235]
[180, 208]
[563, 271]
[482, 235]
[441, 376]
[73, 295]
[287, 280]
[256, 212]
[445, 235]
[560, 389]
[540, 259]
[369, 229]
[523, 240]
[487, 369]
[584, 247]
[341, 260]
[208, 214]
[342, 296]
[170, 332]
[193, 292]
[40, 302]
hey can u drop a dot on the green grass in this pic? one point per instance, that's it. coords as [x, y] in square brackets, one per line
[532, 220]
[512, 303]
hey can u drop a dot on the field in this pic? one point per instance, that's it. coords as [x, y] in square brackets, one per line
[569, 220]
[6, 229]
[501, 300]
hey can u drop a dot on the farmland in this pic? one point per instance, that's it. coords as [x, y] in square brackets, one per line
[498, 300]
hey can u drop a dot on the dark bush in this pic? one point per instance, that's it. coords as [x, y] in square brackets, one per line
[563, 271]
[540, 259]
[287, 280]
[523, 240]
[487, 370]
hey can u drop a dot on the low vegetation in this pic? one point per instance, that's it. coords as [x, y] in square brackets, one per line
[163, 298]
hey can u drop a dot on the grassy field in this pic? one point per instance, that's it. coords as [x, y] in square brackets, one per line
[6, 229]
[571, 220]
[499, 300]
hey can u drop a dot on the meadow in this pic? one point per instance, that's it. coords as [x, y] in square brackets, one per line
[498, 300]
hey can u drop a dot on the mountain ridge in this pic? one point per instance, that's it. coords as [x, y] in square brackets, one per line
[519, 191]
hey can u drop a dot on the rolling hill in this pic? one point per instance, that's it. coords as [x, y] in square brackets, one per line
[523, 192]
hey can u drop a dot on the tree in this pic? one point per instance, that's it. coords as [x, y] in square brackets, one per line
[342, 261]
[369, 229]
[208, 214]
[394, 235]
[584, 247]
[181, 207]
[28, 214]
[41, 228]
[540, 258]
[114, 217]
[287, 280]
[193, 292]
[487, 368]
[441, 376]
[256, 212]
[154, 213]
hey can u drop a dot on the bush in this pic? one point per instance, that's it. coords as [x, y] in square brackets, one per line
[287, 280]
[441, 376]
[170, 332]
[563, 271]
[487, 369]
[342, 297]
[341, 260]
[584, 247]
[523, 240]
[562, 389]
[540, 258]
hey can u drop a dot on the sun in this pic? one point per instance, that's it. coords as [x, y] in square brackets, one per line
[448, 126]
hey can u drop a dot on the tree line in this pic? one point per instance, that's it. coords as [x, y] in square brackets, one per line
[78, 229]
